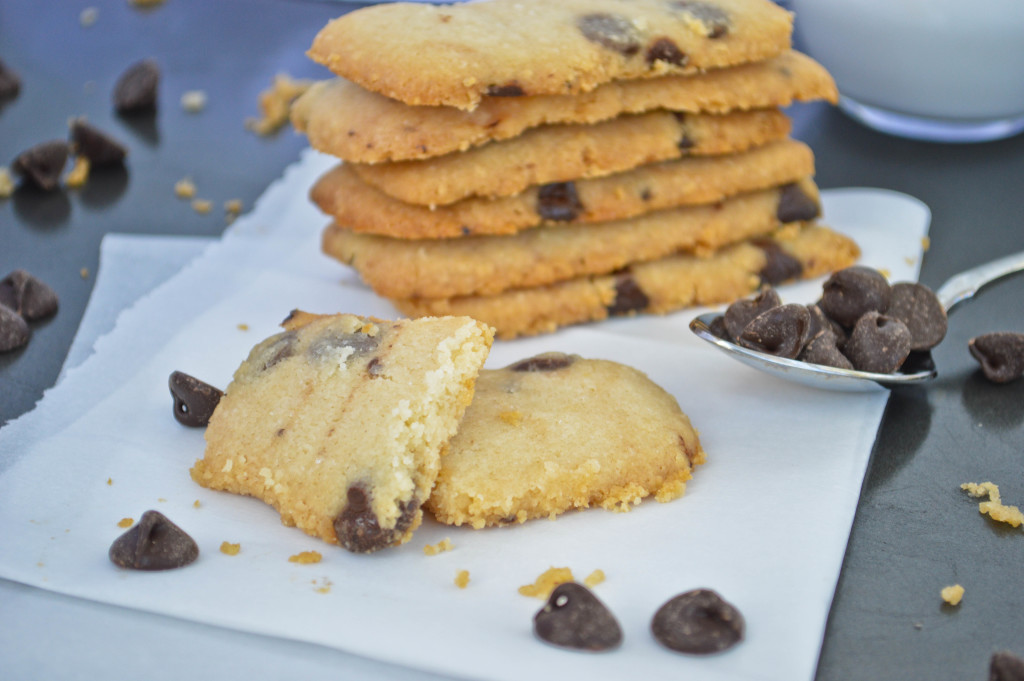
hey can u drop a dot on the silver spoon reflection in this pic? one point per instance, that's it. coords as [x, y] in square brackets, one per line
[956, 290]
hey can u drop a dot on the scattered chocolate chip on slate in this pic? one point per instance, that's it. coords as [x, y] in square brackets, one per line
[1001, 355]
[919, 308]
[194, 400]
[154, 543]
[698, 622]
[878, 343]
[42, 164]
[98, 147]
[558, 202]
[10, 83]
[781, 331]
[851, 292]
[573, 617]
[740, 313]
[613, 31]
[27, 295]
[14, 331]
[358, 528]
[549, 361]
[1005, 666]
[136, 89]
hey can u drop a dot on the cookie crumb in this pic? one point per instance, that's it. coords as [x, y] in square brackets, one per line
[196, 504]
[926, 243]
[953, 594]
[110, 481]
[243, 327]
[546, 582]
[462, 579]
[918, 625]
[202, 206]
[323, 587]
[275, 103]
[6, 183]
[994, 507]
[512, 418]
[193, 101]
[88, 16]
[306, 557]
[185, 188]
[84, 273]
[78, 174]
[594, 578]
[230, 549]
[440, 547]
[125, 522]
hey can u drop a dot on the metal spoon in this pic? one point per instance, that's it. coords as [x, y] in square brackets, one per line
[957, 289]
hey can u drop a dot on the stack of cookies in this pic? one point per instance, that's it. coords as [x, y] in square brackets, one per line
[535, 164]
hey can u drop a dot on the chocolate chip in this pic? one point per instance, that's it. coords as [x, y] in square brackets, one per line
[10, 83]
[919, 308]
[375, 367]
[573, 617]
[698, 622]
[714, 19]
[279, 349]
[136, 89]
[779, 265]
[740, 313]
[878, 343]
[663, 49]
[512, 89]
[194, 400]
[918, 361]
[154, 543]
[549, 361]
[327, 345]
[42, 164]
[1001, 355]
[99, 148]
[558, 201]
[629, 297]
[781, 331]
[27, 295]
[820, 323]
[718, 330]
[850, 292]
[685, 143]
[358, 528]
[796, 205]
[14, 331]
[1005, 666]
[613, 31]
[822, 349]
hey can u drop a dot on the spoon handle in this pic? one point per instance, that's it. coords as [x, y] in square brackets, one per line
[962, 286]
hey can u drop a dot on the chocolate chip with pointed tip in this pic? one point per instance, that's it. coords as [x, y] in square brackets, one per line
[194, 400]
[101, 149]
[10, 83]
[1005, 666]
[878, 343]
[741, 312]
[43, 164]
[558, 202]
[548, 361]
[573, 617]
[14, 330]
[822, 350]
[820, 323]
[1001, 355]
[28, 296]
[698, 622]
[154, 543]
[781, 331]
[919, 308]
[613, 31]
[136, 89]
[850, 292]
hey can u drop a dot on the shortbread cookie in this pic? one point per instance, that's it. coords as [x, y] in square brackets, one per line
[655, 287]
[344, 120]
[556, 153]
[339, 421]
[690, 181]
[454, 55]
[556, 432]
[485, 265]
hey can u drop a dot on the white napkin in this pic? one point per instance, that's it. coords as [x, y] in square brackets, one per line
[764, 522]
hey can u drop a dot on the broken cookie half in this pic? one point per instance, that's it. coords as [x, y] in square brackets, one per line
[339, 422]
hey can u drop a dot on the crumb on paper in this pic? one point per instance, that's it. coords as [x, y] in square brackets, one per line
[125, 522]
[196, 504]
[910, 260]
[230, 549]
[512, 418]
[926, 243]
[88, 16]
[202, 206]
[243, 327]
[885, 272]
[440, 547]
[462, 579]
[110, 481]
[185, 188]
[322, 587]
[594, 578]
[6, 183]
[193, 101]
[275, 104]
[78, 174]
[306, 558]
[953, 594]
[84, 273]
[994, 507]
[546, 582]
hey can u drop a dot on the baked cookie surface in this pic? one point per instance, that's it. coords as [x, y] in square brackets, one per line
[455, 55]
[556, 432]
[339, 421]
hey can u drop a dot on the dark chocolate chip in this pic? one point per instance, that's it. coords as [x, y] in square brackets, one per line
[136, 89]
[558, 201]
[629, 297]
[820, 323]
[98, 147]
[327, 345]
[42, 164]
[918, 361]
[549, 361]
[740, 313]
[715, 20]
[14, 331]
[878, 343]
[779, 265]
[919, 308]
[613, 31]
[781, 331]
[279, 349]
[154, 543]
[573, 617]
[512, 89]
[663, 49]
[375, 367]
[718, 329]
[27, 295]
[194, 400]
[685, 143]
[358, 528]
[1001, 355]
[10, 83]
[796, 205]
[850, 292]
[1005, 666]
[698, 622]
[822, 349]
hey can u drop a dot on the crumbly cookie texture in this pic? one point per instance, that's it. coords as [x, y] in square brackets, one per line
[344, 120]
[455, 55]
[592, 433]
[485, 265]
[656, 287]
[339, 421]
[556, 153]
[994, 506]
[690, 181]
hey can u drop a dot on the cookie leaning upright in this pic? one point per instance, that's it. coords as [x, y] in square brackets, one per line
[455, 55]
[339, 422]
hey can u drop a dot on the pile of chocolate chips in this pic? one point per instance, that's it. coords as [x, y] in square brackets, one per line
[860, 322]
[23, 299]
